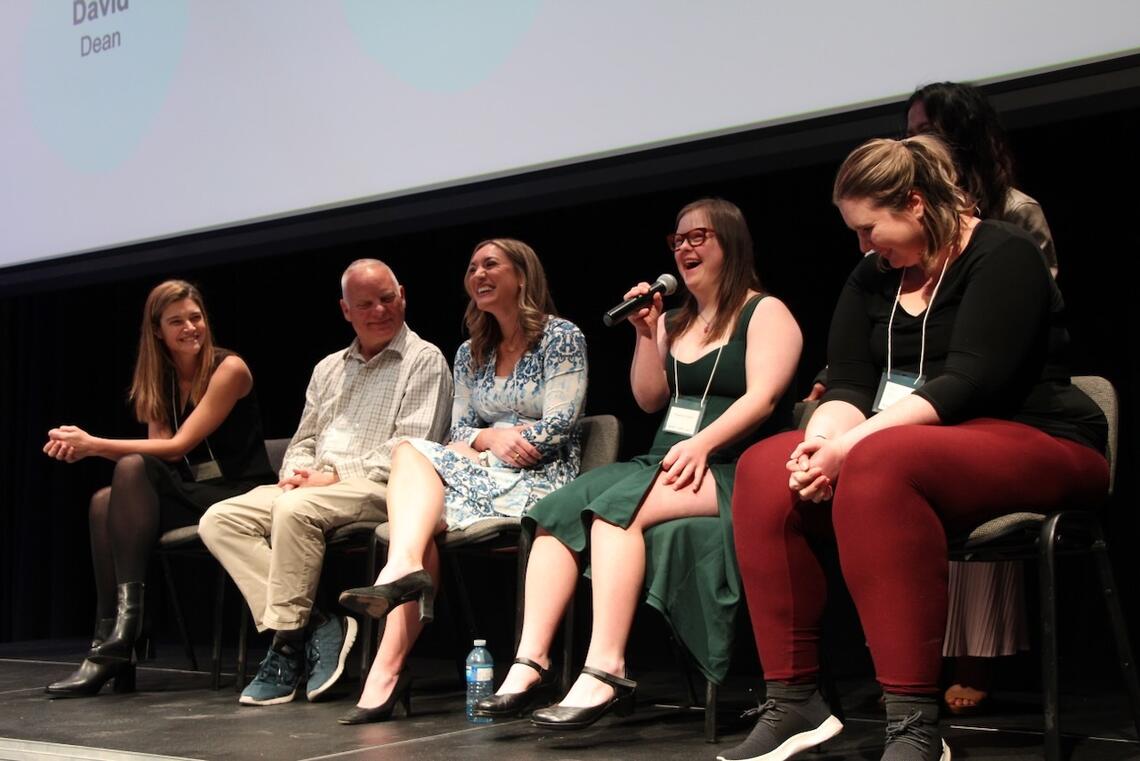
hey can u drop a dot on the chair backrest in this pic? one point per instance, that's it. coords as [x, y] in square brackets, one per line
[1100, 390]
[275, 448]
[601, 439]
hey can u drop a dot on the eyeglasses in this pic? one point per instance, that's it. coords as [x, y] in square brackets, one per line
[696, 237]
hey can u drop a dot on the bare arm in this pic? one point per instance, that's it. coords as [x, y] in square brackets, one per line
[647, 371]
[230, 382]
[773, 350]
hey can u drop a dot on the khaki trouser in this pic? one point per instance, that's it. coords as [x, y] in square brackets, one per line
[272, 542]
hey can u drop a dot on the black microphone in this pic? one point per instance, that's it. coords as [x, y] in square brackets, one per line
[665, 284]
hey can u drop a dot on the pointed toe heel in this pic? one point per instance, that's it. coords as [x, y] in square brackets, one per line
[401, 694]
[377, 601]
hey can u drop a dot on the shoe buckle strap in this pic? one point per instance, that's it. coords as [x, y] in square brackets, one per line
[613, 680]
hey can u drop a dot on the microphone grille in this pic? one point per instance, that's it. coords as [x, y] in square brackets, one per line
[669, 282]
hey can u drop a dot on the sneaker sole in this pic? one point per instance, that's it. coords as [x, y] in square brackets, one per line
[945, 752]
[246, 700]
[801, 742]
[349, 638]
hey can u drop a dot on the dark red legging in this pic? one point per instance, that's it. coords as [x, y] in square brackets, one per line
[899, 493]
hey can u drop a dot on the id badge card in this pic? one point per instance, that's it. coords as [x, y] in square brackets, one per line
[337, 440]
[894, 386]
[206, 471]
[684, 416]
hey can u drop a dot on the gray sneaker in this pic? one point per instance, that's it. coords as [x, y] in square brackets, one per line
[915, 737]
[326, 651]
[784, 728]
[277, 679]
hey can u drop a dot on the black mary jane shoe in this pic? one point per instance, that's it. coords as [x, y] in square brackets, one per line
[565, 717]
[378, 601]
[516, 703]
[401, 693]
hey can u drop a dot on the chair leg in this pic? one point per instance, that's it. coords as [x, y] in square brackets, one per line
[686, 672]
[1116, 620]
[243, 648]
[525, 543]
[219, 613]
[1047, 567]
[366, 638]
[568, 645]
[176, 606]
[710, 711]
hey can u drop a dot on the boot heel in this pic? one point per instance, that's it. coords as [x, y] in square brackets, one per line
[124, 680]
[427, 605]
[144, 648]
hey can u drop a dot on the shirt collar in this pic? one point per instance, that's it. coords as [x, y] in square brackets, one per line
[398, 344]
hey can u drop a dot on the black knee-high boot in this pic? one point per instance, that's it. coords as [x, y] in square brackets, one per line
[90, 677]
[128, 624]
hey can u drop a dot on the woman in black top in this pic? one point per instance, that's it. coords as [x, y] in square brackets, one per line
[948, 404]
[203, 444]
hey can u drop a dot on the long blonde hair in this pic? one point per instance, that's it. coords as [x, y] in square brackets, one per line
[534, 301]
[887, 172]
[150, 391]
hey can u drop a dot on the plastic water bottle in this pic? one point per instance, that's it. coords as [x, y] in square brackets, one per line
[480, 679]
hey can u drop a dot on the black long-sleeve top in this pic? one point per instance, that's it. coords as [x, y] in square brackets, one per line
[995, 340]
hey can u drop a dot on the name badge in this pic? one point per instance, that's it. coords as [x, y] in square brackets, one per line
[684, 416]
[894, 386]
[337, 440]
[206, 471]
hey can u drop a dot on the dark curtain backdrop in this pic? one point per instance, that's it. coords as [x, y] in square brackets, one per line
[68, 351]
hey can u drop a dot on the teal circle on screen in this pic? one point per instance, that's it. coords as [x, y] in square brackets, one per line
[440, 45]
[93, 85]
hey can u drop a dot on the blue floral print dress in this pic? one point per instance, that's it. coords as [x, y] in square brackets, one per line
[546, 388]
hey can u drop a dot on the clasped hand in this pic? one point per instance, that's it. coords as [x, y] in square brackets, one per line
[304, 477]
[686, 463]
[814, 467]
[69, 443]
[510, 446]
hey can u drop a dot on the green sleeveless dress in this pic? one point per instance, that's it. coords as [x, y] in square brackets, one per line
[690, 571]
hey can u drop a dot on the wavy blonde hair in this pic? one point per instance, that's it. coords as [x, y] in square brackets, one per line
[887, 172]
[534, 301]
[149, 392]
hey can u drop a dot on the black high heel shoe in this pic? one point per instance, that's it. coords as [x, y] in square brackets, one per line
[128, 624]
[378, 601]
[401, 693]
[565, 717]
[516, 703]
[90, 677]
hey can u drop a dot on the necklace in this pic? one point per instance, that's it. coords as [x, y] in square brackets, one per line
[706, 321]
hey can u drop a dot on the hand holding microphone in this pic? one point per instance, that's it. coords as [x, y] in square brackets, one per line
[641, 296]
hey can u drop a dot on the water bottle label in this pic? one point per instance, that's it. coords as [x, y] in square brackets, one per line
[480, 673]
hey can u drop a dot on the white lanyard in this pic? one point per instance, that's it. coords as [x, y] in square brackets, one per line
[677, 380]
[929, 307]
[174, 409]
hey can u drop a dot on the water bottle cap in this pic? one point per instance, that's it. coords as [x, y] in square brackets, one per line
[480, 643]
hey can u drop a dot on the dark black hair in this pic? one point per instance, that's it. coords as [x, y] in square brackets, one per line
[969, 125]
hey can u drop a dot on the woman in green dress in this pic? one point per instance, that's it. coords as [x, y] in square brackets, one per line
[720, 366]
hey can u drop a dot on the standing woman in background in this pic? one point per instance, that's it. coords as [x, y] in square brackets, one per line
[203, 444]
[987, 616]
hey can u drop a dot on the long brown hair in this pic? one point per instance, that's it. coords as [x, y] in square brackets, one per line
[887, 172]
[534, 300]
[737, 276]
[150, 391]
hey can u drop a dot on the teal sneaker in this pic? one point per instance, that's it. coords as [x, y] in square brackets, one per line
[277, 679]
[327, 650]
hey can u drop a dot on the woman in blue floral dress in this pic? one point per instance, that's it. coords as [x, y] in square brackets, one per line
[520, 382]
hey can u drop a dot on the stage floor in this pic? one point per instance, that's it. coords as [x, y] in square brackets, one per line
[174, 714]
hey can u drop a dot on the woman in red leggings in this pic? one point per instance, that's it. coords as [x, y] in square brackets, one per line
[949, 403]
